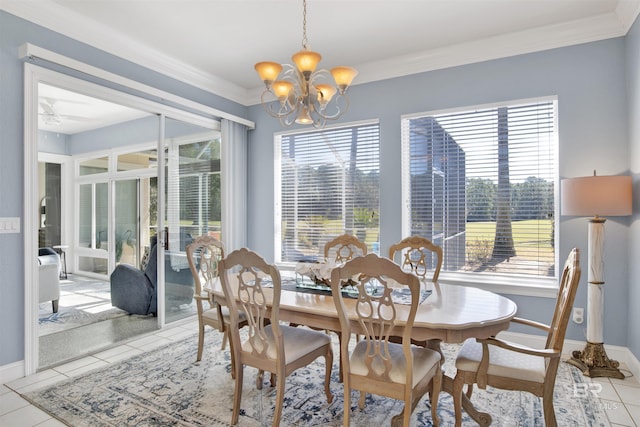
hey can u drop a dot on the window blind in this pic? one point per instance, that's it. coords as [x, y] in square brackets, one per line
[327, 185]
[481, 184]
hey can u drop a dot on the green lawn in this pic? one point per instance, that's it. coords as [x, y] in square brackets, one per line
[526, 234]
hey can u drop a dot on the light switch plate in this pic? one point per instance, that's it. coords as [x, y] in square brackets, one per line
[9, 225]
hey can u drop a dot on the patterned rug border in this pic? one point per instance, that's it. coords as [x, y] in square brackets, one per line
[147, 382]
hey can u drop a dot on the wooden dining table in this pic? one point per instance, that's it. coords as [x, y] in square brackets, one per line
[450, 314]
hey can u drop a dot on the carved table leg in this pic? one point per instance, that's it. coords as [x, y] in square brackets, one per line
[482, 418]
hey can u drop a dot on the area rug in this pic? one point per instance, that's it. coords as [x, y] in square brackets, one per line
[70, 317]
[82, 301]
[167, 387]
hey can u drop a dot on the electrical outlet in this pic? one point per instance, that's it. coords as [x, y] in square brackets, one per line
[578, 315]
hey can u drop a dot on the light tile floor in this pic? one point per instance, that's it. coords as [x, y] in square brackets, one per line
[17, 412]
[619, 398]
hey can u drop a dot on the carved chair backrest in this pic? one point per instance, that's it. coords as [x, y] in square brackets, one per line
[419, 255]
[204, 254]
[251, 285]
[344, 248]
[377, 310]
[564, 303]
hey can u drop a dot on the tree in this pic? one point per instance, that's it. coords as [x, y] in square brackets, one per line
[503, 247]
[481, 197]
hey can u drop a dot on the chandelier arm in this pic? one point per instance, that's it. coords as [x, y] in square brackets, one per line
[334, 104]
[319, 122]
[288, 120]
[285, 109]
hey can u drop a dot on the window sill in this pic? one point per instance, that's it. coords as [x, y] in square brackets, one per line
[534, 287]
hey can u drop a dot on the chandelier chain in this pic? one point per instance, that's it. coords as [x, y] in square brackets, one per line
[305, 42]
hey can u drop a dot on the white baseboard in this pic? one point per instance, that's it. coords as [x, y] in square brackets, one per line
[11, 372]
[615, 352]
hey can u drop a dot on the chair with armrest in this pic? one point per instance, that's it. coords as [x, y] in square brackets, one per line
[204, 254]
[47, 255]
[343, 248]
[134, 290]
[49, 269]
[377, 365]
[246, 280]
[49, 284]
[511, 366]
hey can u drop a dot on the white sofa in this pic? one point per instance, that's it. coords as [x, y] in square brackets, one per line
[49, 279]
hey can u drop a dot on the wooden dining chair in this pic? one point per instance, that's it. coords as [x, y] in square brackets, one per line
[376, 365]
[338, 251]
[418, 255]
[343, 248]
[510, 366]
[252, 286]
[203, 255]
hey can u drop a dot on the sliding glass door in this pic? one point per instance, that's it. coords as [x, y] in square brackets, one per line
[129, 184]
[93, 236]
[127, 224]
[193, 206]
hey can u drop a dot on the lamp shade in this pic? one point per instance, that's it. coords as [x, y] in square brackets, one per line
[343, 76]
[306, 60]
[596, 196]
[325, 93]
[282, 89]
[268, 71]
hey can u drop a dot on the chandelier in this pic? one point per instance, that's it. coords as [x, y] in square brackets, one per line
[304, 95]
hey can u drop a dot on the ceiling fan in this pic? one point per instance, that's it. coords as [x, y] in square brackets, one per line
[50, 115]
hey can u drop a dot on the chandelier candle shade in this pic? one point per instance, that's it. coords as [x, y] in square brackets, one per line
[594, 196]
[302, 94]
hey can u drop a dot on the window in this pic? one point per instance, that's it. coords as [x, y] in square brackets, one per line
[327, 184]
[199, 187]
[481, 184]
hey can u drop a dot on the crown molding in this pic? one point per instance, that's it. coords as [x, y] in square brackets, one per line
[609, 25]
[522, 42]
[605, 26]
[71, 24]
[627, 11]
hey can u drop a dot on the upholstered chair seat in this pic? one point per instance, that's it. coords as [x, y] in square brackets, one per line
[423, 361]
[297, 342]
[502, 362]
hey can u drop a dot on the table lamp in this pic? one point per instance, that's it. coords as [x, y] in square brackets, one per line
[596, 197]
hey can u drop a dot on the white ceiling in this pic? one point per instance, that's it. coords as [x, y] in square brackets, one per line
[213, 44]
[68, 112]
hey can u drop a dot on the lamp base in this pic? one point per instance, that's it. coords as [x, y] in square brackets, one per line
[593, 362]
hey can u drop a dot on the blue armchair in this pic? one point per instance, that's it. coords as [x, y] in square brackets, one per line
[135, 291]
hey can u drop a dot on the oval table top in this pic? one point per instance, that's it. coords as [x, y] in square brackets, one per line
[451, 313]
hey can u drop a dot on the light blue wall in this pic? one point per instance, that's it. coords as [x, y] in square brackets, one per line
[133, 132]
[633, 90]
[14, 32]
[52, 142]
[589, 81]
